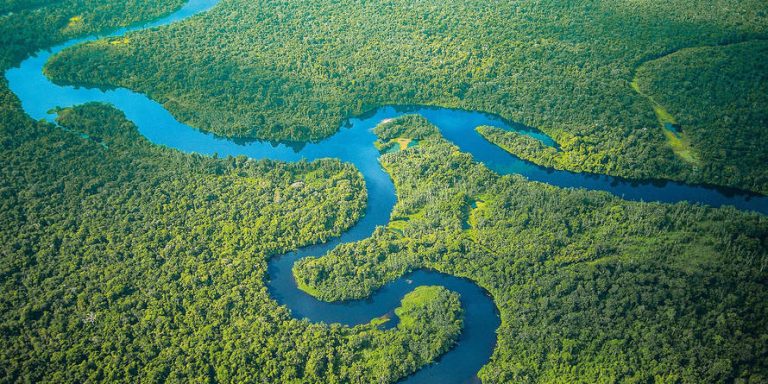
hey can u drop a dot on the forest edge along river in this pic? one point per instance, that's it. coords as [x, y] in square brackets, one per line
[353, 143]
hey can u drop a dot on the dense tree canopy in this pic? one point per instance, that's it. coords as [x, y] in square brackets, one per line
[719, 96]
[123, 261]
[591, 288]
[293, 70]
[29, 25]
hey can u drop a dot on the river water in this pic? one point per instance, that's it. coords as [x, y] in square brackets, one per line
[354, 143]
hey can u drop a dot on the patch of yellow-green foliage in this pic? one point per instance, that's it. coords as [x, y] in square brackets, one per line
[414, 301]
[120, 41]
[403, 142]
[473, 213]
[677, 141]
[381, 320]
[306, 287]
[74, 21]
[398, 225]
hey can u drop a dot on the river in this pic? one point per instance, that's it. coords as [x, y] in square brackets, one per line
[354, 143]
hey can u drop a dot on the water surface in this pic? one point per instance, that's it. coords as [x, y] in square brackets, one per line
[354, 143]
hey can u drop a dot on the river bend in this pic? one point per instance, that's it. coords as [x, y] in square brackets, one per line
[354, 143]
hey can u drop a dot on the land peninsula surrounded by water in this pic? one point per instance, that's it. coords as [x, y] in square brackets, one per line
[384, 191]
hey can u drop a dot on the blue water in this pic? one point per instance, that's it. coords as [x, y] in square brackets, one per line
[354, 143]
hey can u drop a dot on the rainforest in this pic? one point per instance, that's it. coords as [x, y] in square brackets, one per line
[462, 191]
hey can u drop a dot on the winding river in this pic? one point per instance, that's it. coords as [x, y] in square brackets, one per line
[353, 143]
